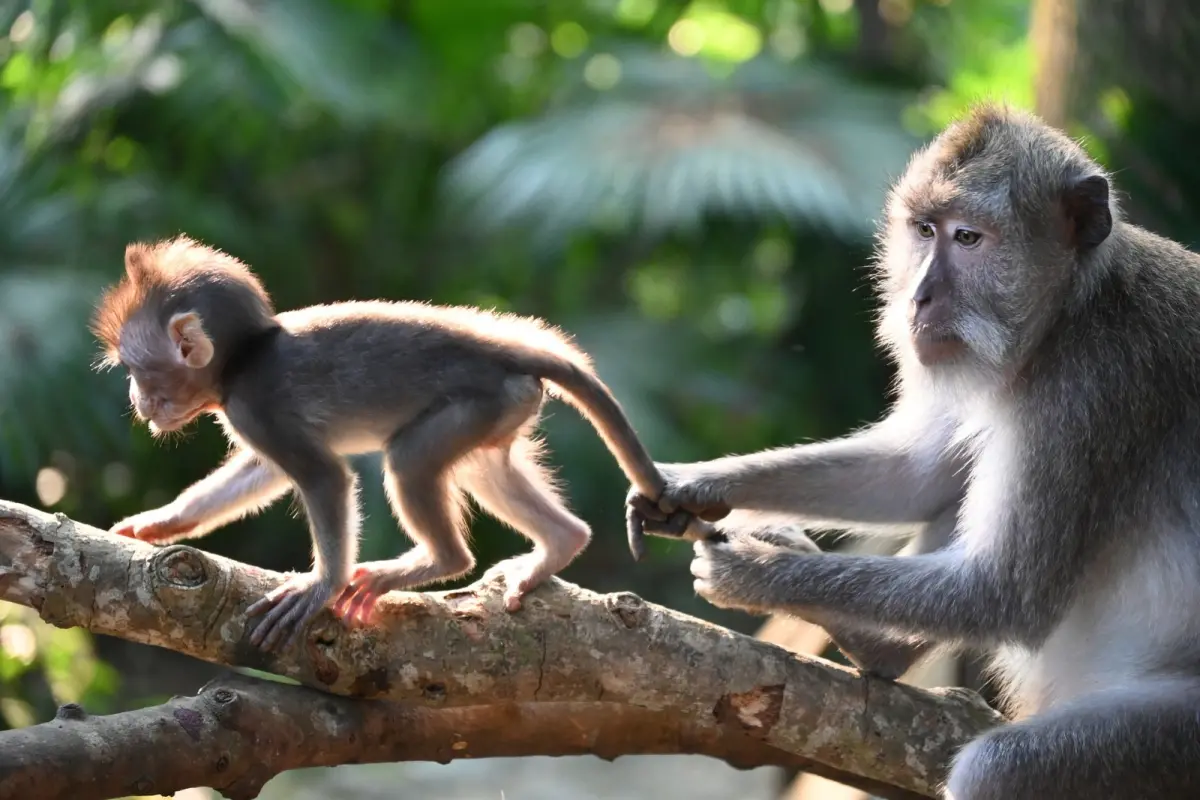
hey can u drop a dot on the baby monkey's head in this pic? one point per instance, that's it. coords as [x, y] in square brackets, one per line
[173, 321]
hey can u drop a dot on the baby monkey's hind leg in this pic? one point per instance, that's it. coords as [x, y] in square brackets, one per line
[422, 488]
[511, 485]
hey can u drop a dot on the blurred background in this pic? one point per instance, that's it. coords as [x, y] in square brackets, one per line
[690, 188]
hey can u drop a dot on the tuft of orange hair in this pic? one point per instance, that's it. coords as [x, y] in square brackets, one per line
[159, 269]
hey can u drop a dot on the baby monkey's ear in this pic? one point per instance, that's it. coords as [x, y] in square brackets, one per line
[192, 344]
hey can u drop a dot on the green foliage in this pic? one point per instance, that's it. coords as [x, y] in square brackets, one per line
[983, 53]
[42, 667]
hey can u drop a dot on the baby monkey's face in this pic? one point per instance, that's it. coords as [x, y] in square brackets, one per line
[166, 399]
[164, 390]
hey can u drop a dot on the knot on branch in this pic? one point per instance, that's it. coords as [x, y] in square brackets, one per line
[180, 566]
[224, 696]
[186, 581]
[70, 711]
[628, 608]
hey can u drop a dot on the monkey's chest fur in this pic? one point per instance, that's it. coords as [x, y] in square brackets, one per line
[1130, 607]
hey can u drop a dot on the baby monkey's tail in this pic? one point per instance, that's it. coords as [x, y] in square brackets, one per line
[593, 399]
[580, 387]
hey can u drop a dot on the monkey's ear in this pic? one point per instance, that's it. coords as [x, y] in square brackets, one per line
[192, 344]
[1089, 219]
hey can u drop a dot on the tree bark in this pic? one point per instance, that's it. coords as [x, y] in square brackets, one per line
[239, 732]
[450, 650]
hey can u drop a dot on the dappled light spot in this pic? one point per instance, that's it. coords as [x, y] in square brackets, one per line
[526, 40]
[602, 72]
[836, 6]
[18, 643]
[569, 39]
[63, 47]
[896, 12]
[789, 42]
[714, 32]
[686, 37]
[22, 27]
[51, 486]
[635, 12]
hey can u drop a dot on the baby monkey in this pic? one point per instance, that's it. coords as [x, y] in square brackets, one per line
[450, 395]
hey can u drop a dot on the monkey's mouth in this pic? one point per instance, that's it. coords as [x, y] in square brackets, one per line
[171, 424]
[934, 345]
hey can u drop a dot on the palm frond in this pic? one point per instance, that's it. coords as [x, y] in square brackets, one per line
[672, 145]
[334, 53]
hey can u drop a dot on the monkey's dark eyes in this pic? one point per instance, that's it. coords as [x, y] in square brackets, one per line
[924, 230]
[967, 237]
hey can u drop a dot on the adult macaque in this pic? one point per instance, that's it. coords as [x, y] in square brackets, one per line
[451, 395]
[1049, 370]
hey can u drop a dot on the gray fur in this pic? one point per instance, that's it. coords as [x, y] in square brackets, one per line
[1050, 393]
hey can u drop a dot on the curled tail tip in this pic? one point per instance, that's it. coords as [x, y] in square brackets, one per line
[637, 550]
[636, 536]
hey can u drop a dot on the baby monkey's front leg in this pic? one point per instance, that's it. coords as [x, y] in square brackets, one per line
[328, 490]
[243, 484]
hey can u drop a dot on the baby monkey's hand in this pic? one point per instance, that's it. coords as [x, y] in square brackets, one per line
[157, 526]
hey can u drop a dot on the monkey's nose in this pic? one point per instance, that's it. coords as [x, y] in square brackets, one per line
[923, 294]
[931, 305]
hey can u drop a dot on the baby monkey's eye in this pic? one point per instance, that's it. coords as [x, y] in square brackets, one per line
[924, 229]
[967, 237]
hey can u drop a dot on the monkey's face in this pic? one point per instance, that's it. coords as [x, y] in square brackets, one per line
[168, 385]
[986, 234]
[944, 269]
[965, 279]
[166, 399]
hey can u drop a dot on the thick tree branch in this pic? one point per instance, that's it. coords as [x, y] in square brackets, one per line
[240, 732]
[460, 648]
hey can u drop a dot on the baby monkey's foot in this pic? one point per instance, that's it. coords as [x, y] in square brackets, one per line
[523, 574]
[371, 581]
[288, 609]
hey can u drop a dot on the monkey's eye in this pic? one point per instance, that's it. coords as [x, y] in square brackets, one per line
[924, 229]
[967, 237]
